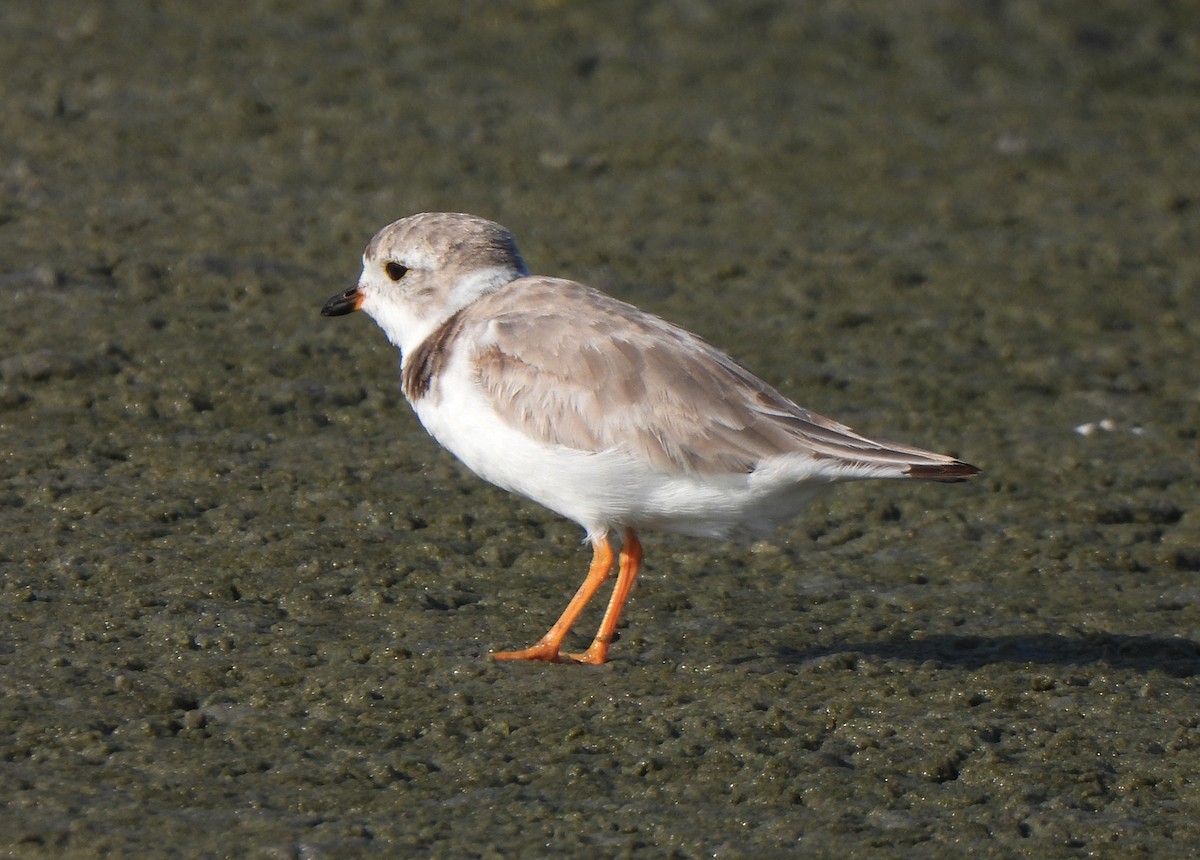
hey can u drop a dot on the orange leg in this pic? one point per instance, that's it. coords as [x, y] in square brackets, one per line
[631, 563]
[547, 647]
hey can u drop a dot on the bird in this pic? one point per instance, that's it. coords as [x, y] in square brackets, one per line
[603, 413]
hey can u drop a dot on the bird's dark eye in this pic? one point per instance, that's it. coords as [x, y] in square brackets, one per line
[395, 270]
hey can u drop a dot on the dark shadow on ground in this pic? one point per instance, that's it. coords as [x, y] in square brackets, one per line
[1176, 656]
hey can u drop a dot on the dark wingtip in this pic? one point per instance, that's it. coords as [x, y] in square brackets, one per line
[956, 471]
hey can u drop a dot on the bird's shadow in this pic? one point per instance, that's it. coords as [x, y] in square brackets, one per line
[1176, 656]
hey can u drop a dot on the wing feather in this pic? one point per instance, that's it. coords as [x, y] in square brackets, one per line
[575, 367]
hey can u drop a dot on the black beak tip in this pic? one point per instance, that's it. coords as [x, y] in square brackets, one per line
[341, 304]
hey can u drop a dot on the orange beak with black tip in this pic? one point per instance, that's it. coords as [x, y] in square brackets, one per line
[343, 303]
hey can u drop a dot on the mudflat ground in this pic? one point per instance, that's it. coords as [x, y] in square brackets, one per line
[245, 602]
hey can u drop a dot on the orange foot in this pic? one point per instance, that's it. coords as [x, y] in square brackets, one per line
[547, 652]
[595, 655]
[547, 648]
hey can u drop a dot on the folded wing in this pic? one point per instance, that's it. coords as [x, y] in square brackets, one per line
[578, 368]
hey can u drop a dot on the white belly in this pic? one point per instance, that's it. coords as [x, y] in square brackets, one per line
[602, 490]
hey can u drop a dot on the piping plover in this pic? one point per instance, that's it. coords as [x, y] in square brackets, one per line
[603, 413]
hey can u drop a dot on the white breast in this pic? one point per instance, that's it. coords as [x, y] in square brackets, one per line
[601, 490]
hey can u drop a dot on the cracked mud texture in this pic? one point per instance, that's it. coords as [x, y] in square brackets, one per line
[246, 602]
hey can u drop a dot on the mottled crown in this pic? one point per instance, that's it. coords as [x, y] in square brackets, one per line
[466, 240]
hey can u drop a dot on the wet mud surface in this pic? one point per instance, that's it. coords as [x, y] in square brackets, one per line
[245, 602]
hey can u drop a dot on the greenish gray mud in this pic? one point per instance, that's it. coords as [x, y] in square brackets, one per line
[246, 601]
